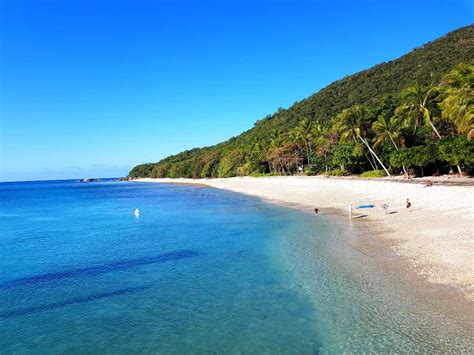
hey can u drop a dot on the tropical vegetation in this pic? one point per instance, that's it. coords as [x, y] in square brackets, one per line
[414, 115]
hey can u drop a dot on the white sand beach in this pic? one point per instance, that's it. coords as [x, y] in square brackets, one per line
[435, 235]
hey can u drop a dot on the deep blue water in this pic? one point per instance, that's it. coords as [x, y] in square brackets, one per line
[201, 270]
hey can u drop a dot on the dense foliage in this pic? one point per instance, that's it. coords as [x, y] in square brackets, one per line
[411, 115]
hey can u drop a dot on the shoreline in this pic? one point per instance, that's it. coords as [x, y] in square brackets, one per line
[434, 238]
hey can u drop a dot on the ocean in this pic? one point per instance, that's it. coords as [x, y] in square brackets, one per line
[200, 270]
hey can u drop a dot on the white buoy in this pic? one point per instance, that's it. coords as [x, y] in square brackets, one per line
[137, 212]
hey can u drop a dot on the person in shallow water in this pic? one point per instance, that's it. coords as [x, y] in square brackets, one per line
[316, 210]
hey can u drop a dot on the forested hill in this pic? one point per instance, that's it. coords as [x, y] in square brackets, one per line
[311, 134]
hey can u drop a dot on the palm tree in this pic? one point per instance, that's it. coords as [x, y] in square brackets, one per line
[417, 104]
[275, 139]
[326, 139]
[461, 76]
[389, 128]
[303, 134]
[353, 122]
[458, 108]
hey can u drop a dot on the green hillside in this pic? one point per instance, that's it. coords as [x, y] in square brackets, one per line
[411, 114]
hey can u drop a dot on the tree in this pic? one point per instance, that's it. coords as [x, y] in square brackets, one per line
[229, 164]
[178, 169]
[326, 139]
[303, 136]
[343, 156]
[391, 129]
[419, 156]
[458, 108]
[211, 163]
[286, 159]
[160, 171]
[458, 104]
[424, 155]
[353, 123]
[417, 105]
[460, 76]
[457, 151]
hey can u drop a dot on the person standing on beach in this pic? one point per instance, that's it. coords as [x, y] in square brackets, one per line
[349, 208]
[408, 205]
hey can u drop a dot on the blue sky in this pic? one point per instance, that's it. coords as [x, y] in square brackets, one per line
[94, 87]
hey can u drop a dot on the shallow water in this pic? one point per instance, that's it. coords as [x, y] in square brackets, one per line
[200, 270]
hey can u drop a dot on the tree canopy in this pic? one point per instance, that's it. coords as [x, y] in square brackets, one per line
[414, 114]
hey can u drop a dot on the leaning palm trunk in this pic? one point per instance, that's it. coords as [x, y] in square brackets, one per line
[396, 147]
[427, 116]
[370, 162]
[435, 130]
[374, 161]
[375, 155]
[405, 170]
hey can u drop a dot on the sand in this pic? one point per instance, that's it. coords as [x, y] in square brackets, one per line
[435, 235]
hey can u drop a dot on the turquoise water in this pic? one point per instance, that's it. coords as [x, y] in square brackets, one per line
[201, 270]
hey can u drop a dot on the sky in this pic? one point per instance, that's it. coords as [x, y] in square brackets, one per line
[90, 88]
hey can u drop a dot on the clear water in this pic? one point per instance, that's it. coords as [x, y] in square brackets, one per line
[201, 270]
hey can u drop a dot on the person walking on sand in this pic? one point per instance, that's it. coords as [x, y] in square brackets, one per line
[408, 205]
[349, 208]
[385, 207]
